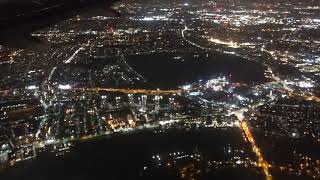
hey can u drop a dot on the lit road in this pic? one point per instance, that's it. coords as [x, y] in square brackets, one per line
[133, 91]
[69, 60]
[261, 161]
[192, 43]
[312, 98]
[82, 47]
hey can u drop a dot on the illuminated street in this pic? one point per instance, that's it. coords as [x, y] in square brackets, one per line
[159, 89]
[133, 91]
[261, 161]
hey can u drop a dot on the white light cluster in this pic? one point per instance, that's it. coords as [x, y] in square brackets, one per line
[64, 87]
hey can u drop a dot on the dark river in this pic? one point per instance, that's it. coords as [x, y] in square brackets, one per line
[124, 156]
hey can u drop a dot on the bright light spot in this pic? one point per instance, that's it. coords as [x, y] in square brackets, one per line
[303, 84]
[227, 43]
[195, 94]
[64, 87]
[148, 19]
[186, 87]
[240, 98]
[32, 87]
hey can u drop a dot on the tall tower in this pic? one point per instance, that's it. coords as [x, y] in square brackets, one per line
[144, 100]
[130, 99]
[118, 101]
[157, 103]
[171, 100]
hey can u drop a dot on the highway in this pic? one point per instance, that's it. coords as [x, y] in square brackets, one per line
[190, 42]
[132, 91]
[261, 161]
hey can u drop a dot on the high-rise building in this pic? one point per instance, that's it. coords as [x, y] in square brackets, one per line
[144, 100]
[130, 99]
[118, 101]
[157, 103]
[171, 100]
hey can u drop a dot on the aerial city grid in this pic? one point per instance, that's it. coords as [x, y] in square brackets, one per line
[165, 89]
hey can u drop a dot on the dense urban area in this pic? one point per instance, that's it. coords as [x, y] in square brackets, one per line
[232, 86]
